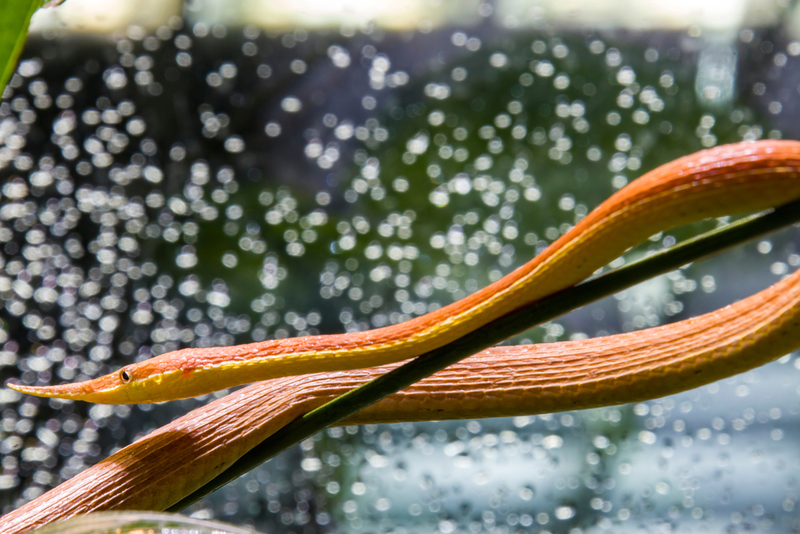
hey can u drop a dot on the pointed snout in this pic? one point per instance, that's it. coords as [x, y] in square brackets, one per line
[103, 390]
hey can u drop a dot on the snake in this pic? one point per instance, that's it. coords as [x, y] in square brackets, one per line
[501, 381]
[173, 461]
[728, 179]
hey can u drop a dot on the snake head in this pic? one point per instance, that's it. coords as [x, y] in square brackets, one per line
[176, 375]
[133, 384]
[109, 389]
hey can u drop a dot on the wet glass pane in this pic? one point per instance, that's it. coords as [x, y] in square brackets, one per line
[202, 184]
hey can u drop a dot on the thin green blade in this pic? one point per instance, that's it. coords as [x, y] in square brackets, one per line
[15, 17]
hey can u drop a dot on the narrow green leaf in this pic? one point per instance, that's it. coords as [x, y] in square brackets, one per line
[15, 17]
[542, 311]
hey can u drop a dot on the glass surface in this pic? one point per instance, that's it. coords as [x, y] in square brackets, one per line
[200, 185]
[138, 523]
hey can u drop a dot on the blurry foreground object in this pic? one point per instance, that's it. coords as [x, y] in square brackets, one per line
[138, 522]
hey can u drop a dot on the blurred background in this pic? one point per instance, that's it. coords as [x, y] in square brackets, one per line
[226, 171]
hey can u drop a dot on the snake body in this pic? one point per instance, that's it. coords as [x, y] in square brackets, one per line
[502, 381]
[725, 180]
[158, 470]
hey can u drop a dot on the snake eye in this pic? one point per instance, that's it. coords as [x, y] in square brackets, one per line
[125, 376]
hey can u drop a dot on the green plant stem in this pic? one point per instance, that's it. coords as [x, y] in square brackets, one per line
[497, 331]
[15, 17]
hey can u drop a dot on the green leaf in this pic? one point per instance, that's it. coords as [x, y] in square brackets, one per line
[15, 17]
